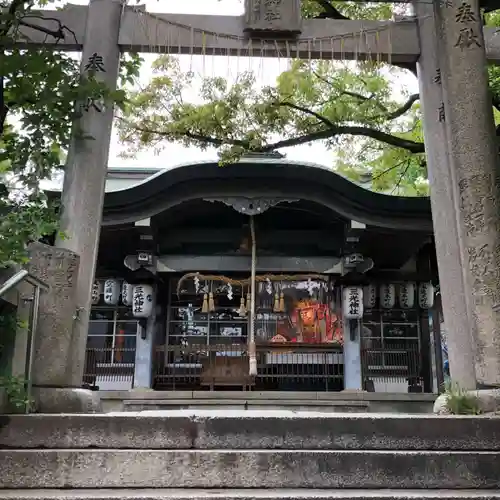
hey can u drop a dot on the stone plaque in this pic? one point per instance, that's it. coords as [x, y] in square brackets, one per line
[58, 268]
[273, 17]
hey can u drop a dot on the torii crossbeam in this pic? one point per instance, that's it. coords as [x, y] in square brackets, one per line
[142, 31]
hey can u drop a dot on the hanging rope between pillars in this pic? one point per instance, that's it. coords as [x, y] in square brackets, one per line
[252, 355]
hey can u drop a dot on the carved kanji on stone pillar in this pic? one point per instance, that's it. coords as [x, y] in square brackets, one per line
[278, 17]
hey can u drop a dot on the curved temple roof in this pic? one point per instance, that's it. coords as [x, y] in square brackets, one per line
[267, 178]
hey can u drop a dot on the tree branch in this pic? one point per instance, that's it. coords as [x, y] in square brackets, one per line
[378, 135]
[214, 141]
[386, 171]
[400, 111]
[321, 118]
[329, 133]
[401, 177]
[329, 11]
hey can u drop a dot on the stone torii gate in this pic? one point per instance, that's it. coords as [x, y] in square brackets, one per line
[445, 40]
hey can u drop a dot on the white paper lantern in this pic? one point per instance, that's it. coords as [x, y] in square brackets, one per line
[407, 295]
[96, 292]
[426, 295]
[352, 303]
[127, 292]
[387, 296]
[111, 292]
[142, 305]
[369, 296]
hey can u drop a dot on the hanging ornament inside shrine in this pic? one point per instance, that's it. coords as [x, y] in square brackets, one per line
[426, 295]
[407, 295]
[369, 296]
[242, 311]
[111, 292]
[387, 296]
[96, 292]
[269, 287]
[310, 287]
[352, 303]
[211, 302]
[142, 301]
[127, 291]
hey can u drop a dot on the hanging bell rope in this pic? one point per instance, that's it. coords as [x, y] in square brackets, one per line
[252, 355]
[211, 303]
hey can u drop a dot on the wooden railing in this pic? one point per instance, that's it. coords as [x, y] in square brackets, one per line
[280, 367]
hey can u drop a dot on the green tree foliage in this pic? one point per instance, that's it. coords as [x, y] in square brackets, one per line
[38, 90]
[363, 112]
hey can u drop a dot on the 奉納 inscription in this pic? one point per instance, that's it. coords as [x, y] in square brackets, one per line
[467, 38]
[95, 64]
[468, 35]
[465, 14]
[91, 103]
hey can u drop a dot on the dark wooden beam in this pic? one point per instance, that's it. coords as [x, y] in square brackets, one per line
[266, 238]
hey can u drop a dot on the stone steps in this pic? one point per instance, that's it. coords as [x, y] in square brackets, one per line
[249, 469]
[250, 430]
[257, 494]
[166, 452]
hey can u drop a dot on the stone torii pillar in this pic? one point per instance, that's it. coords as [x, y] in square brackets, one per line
[467, 113]
[86, 167]
[456, 299]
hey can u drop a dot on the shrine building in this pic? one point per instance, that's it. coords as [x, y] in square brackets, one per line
[344, 281]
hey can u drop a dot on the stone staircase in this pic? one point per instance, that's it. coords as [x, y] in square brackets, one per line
[240, 455]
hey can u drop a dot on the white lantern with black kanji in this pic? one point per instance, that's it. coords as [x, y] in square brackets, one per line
[369, 296]
[387, 296]
[96, 292]
[142, 302]
[127, 292]
[426, 295]
[352, 303]
[407, 295]
[111, 292]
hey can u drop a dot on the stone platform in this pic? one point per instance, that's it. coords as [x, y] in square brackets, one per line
[257, 494]
[249, 454]
[332, 402]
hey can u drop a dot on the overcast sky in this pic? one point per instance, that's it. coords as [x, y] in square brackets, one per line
[266, 70]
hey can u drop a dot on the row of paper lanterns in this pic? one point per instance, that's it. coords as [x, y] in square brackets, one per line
[139, 297]
[355, 299]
